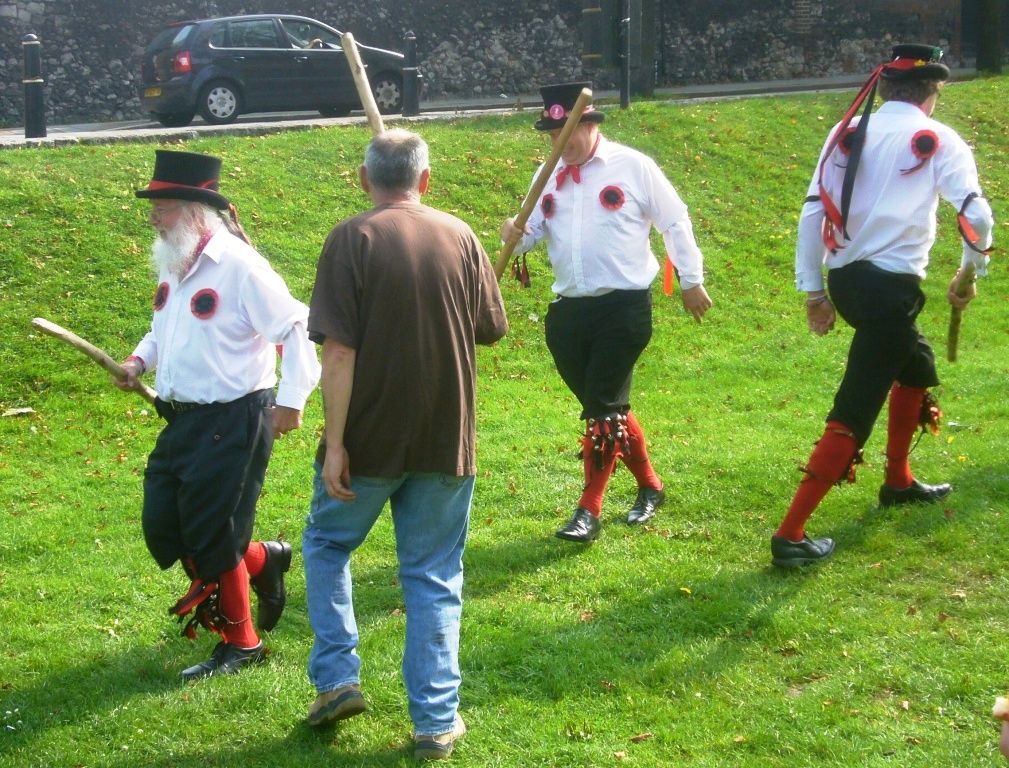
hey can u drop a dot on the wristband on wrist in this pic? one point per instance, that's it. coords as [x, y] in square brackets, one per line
[143, 367]
[816, 300]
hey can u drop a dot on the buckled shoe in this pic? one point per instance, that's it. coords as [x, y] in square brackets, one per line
[649, 500]
[914, 493]
[338, 704]
[795, 554]
[583, 526]
[269, 584]
[439, 747]
[226, 659]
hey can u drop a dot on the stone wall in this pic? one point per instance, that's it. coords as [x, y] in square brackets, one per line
[91, 48]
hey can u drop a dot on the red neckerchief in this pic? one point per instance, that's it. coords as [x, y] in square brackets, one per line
[574, 171]
[200, 245]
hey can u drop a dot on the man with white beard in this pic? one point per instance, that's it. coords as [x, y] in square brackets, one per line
[221, 314]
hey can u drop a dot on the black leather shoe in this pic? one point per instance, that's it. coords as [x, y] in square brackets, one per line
[916, 492]
[795, 554]
[225, 660]
[583, 526]
[269, 584]
[649, 500]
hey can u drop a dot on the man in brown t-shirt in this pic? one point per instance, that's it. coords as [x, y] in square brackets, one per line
[403, 293]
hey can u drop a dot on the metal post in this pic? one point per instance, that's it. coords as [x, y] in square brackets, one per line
[625, 54]
[411, 77]
[35, 108]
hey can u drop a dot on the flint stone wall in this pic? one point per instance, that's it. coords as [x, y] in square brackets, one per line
[91, 49]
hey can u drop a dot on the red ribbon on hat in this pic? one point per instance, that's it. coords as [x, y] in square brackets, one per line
[156, 185]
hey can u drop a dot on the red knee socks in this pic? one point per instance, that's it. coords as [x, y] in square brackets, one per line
[637, 460]
[902, 423]
[255, 558]
[827, 464]
[235, 606]
[596, 479]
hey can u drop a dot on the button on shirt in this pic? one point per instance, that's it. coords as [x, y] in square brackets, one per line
[892, 218]
[214, 333]
[597, 229]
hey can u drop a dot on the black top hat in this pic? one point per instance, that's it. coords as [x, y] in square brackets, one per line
[558, 101]
[185, 176]
[911, 61]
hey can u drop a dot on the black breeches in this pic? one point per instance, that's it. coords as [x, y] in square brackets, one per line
[887, 346]
[595, 343]
[203, 480]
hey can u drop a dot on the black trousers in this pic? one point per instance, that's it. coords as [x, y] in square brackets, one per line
[887, 346]
[203, 480]
[595, 343]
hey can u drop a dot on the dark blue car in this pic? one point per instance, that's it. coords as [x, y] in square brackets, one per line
[221, 68]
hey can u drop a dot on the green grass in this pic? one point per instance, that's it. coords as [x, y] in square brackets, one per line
[671, 644]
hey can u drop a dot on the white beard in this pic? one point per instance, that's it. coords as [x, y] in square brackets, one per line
[174, 251]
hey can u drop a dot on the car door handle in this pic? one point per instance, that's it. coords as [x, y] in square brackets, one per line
[238, 58]
[301, 59]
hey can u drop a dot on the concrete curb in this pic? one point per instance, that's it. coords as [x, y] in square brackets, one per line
[446, 109]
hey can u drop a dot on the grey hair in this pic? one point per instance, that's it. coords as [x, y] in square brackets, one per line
[395, 160]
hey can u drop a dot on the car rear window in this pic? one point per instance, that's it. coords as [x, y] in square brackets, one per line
[171, 37]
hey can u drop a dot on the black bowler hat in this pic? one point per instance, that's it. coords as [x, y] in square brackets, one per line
[185, 176]
[558, 101]
[911, 61]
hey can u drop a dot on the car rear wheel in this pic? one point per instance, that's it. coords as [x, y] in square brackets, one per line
[219, 102]
[174, 119]
[388, 90]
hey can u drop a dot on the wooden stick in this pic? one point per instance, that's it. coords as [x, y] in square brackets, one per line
[363, 86]
[91, 351]
[574, 117]
[962, 289]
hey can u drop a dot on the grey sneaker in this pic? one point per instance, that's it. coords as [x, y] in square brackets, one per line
[439, 746]
[338, 704]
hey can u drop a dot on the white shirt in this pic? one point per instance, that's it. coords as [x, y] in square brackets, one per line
[892, 218]
[214, 333]
[598, 246]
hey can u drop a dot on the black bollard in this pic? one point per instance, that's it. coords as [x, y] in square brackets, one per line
[35, 108]
[411, 77]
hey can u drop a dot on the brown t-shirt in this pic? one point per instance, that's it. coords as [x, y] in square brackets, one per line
[411, 290]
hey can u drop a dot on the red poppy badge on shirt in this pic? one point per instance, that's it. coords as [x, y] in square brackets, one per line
[204, 303]
[612, 197]
[924, 144]
[160, 297]
[548, 205]
[847, 140]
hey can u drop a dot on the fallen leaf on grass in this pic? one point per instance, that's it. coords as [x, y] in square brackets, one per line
[17, 412]
[642, 737]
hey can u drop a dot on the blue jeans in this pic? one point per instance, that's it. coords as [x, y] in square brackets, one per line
[430, 513]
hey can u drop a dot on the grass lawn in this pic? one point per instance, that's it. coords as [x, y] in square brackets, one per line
[675, 643]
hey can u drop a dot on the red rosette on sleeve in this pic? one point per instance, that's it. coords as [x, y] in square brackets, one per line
[548, 205]
[924, 144]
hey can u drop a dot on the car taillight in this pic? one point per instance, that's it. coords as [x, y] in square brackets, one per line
[182, 62]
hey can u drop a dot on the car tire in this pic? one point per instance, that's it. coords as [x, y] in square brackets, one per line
[387, 87]
[219, 103]
[341, 110]
[174, 119]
